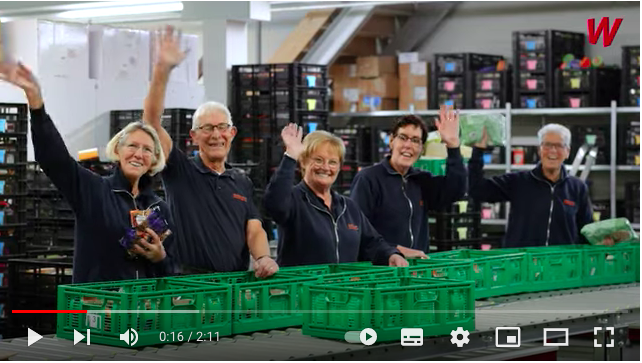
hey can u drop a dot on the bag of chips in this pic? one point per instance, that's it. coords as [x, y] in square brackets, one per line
[618, 229]
[472, 128]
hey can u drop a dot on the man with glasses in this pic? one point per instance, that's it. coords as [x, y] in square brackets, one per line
[547, 206]
[396, 197]
[218, 225]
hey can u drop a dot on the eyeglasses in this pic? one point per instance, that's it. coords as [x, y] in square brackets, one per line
[550, 145]
[133, 148]
[334, 164]
[208, 129]
[414, 140]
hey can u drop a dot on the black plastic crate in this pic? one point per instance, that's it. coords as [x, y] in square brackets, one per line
[33, 284]
[459, 63]
[628, 140]
[346, 174]
[359, 142]
[602, 141]
[456, 100]
[119, 119]
[177, 121]
[531, 82]
[455, 226]
[630, 94]
[533, 100]
[50, 208]
[540, 53]
[451, 84]
[489, 90]
[257, 150]
[13, 118]
[594, 87]
[448, 245]
[13, 149]
[283, 75]
[49, 234]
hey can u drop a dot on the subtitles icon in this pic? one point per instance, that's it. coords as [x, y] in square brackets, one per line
[412, 337]
[511, 339]
[555, 330]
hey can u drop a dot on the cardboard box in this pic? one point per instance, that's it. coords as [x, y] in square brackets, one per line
[386, 86]
[413, 85]
[345, 97]
[369, 103]
[411, 57]
[373, 67]
[343, 71]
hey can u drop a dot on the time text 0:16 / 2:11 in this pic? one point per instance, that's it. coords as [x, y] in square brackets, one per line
[199, 336]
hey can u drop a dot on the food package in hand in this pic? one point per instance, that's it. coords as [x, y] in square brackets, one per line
[472, 128]
[619, 229]
[155, 221]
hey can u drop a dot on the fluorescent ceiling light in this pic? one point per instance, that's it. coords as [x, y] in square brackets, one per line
[122, 10]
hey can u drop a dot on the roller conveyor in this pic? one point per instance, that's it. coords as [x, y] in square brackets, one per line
[580, 310]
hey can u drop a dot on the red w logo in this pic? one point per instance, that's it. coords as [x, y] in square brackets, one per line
[603, 27]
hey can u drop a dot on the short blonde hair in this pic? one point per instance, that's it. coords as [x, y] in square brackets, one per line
[317, 138]
[158, 162]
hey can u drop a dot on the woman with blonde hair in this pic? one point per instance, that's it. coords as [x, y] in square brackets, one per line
[113, 239]
[315, 224]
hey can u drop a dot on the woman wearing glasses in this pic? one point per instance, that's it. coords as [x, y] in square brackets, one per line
[107, 246]
[316, 224]
[396, 197]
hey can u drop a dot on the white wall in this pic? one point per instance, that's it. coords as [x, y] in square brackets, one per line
[486, 27]
[79, 105]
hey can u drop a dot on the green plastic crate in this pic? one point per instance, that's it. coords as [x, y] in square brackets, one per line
[549, 268]
[344, 272]
[388, 305]
[605, 265]
[157, 318]
[494, 274]
[435, 166]
[461, 270]
[261, 304]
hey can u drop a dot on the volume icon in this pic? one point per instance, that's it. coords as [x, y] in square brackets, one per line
[130, 337]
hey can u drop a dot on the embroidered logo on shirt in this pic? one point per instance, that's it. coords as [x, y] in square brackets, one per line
[353, 227]
[421, 203]
[569, 202]
[239, 197]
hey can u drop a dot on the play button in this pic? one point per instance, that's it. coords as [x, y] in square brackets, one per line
[368, 336]
[32, 337]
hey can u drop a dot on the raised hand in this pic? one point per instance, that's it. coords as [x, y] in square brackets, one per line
[448, 126]
[19, 75]
[292, 136]
[483, 143]
[168, 45]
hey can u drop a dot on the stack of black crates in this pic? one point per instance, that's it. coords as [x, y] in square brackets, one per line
[630, 76]
[628, 150]
[537, 54]
[13, 170]
[591, 87]
[456, 228]
[361, 146]
[265, 98]
[456, 81]
[632, 202]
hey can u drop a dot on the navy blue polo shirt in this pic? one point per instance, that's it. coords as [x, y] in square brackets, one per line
[211, 212]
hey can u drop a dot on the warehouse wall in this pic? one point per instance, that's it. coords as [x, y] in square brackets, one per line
[486, 27]
[274, 32]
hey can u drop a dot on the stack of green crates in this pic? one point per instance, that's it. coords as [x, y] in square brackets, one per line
[260, 304]
[144, 305]
[549, 268]
[494, 274]
[344, 272]
[388, 305]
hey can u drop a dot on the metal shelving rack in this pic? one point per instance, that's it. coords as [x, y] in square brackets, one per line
[509, 112]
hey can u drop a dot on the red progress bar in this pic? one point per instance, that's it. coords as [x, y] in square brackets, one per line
[48, 311]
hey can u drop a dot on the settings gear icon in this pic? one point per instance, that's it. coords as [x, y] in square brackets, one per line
[455, 337]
